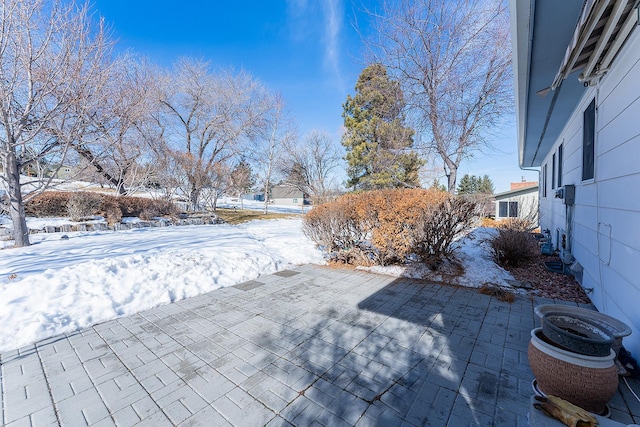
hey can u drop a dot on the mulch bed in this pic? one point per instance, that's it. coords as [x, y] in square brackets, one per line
[547, 284]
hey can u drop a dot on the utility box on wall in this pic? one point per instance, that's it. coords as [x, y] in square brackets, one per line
[569, 195]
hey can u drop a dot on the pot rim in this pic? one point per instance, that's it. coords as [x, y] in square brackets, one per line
[617, 327]
[606, 337]
[571, 357]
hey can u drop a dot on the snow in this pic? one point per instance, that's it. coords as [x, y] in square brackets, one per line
[67, 281]
[472, 252]
[58, 284]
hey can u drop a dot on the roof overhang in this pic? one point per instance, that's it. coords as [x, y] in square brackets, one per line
[559, 48]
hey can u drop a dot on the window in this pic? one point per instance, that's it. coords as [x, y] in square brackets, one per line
[560, 154]
[508, 209]
[553, 172]
[588, 139]
[544, 181]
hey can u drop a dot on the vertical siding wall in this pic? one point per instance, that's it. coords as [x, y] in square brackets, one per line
[606, 216]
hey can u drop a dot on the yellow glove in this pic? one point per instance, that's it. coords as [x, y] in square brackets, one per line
[566, 412]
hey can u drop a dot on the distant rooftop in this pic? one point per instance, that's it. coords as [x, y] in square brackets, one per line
[522, 184]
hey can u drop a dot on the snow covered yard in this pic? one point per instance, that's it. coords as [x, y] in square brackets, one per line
[58, 285]
[66, 281]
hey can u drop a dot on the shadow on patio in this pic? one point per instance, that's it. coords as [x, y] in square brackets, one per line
[409, 352]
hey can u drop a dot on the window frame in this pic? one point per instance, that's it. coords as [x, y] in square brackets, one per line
[506, 208]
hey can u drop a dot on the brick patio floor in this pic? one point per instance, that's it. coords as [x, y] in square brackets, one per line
[304, 347]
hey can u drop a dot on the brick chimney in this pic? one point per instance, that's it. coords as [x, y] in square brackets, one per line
[523, 184]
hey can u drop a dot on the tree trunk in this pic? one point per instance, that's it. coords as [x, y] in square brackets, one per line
[194, 195]
[451, 179]
[118, 183]
[16, 206]
[266, 198]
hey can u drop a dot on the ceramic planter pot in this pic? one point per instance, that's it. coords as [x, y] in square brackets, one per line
[586, 381]
[617, 328]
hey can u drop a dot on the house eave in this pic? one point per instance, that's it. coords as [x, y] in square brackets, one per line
[559, 49]
[519, 192]
[541, 31]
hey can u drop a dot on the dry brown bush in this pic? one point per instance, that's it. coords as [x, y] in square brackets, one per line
[518, 224]
[78, 205]
[83, 204]
[111, 211]
[488, 222]
[512, 247]
[49, 203]
[389, 226]
[452, 218]
[334, 226]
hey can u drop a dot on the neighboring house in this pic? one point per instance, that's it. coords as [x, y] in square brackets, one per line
[519, 202]
[577, 68]
[286, 195]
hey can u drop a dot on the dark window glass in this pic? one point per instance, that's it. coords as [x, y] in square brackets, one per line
[588, 139]
[502, 206]
[544, 181]
[508, 209]
[560, 154]
[553, 172]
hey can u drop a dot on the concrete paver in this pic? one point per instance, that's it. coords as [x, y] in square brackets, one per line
[311, 346]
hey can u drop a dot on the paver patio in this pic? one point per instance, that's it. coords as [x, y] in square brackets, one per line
[310, 346]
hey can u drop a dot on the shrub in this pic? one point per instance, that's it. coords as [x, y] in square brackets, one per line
[442, 225]
[511, 247]
[111, 211]
[488, 222]
[335, 227]
[389, 226]
[157, 208]
[49, 203]
[519, 224]
[81, 205]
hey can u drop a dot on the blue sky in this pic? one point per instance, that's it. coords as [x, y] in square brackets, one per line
[308, 50]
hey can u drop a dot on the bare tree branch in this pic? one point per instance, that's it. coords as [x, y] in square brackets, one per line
[453, 61]
[53, 58]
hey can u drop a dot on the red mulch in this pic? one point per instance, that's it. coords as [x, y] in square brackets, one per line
[548, 284]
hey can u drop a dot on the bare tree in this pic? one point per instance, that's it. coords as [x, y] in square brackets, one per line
[241, 180]
[276, 132]
[219, 184]
[52, 62]
[206, 117]
[113, 144]
[310, 166]
[453, 61]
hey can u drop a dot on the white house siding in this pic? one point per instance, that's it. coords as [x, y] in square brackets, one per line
[527, 202]
[606, 216]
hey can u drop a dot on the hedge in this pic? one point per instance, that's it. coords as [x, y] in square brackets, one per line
[391, 226]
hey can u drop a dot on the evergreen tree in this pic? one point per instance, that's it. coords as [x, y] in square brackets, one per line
[485, 185]
[376, 140]
[471, 184]
[437, 186]
[468, 184]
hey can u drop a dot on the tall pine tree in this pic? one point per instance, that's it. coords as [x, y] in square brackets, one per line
[377, 141]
